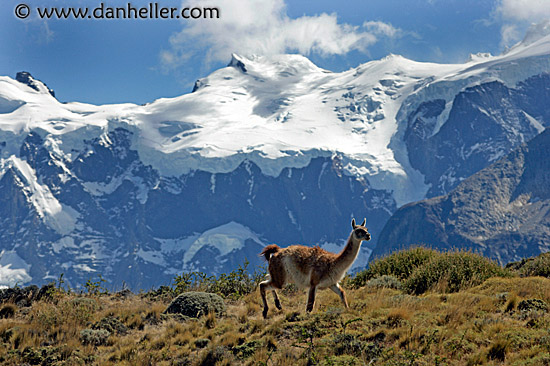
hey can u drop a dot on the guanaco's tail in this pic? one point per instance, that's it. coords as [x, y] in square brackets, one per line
[269, 250]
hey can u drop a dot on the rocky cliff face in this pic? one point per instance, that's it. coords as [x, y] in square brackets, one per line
[27, 79]
[484, 123]
[502, 211]
[130, 224]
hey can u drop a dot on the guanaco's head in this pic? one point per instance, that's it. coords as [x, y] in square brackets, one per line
[360, 231]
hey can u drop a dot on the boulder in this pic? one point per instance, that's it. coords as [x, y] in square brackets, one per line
[196, 304]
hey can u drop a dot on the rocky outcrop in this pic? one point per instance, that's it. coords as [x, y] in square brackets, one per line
[503, 211]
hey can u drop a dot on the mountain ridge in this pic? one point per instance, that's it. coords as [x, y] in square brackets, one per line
[285, 150]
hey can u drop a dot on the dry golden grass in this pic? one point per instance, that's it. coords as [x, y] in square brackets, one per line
[382, 327]
[526, 287]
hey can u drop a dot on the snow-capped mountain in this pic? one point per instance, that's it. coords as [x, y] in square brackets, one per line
[268, 149]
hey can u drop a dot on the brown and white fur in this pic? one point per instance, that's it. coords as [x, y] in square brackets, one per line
[312, 268]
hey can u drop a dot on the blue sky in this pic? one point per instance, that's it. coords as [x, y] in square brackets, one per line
[138, 61]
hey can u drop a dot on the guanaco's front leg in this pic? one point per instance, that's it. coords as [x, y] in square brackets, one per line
[311, 298]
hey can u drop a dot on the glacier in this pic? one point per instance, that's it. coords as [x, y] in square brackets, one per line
[281, 112]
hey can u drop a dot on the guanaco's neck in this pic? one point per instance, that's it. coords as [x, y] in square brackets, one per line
[349, 253]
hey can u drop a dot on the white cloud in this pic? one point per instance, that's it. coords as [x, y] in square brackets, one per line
[39, 29]
[263, 27]
[524, 10]
[509, 34]
[381, 28]
[519, 14]
[47, 33]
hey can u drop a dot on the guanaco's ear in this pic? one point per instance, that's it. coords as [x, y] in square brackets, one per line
[364, 221]
[353, 223]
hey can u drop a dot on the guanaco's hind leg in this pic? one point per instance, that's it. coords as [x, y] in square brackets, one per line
[340, 292]
[277, 302]
[265, 285]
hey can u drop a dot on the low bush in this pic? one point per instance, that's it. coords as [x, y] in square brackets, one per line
[201, 342]
[235, 284]
[400, 264]
[8, 311]
[533, 305]
[215, 356]
[94, 337]
[347, 344]
[537, 266]
[384, 281]
[247, 349]
[452, 272]
[112, 325]
[24, 296]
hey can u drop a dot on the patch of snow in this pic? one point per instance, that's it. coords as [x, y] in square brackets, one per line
[151, 256]
[224, 238]
[292, 218]
[13, 269]
[142, 189]
[536, 32]
[83, 268]
[8, 106]
[64, 242]
[92, 249]
[169, 246]
[59, 217]
[535, 123]
[101, 188]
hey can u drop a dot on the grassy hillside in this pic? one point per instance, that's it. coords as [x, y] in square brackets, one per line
[468, 311]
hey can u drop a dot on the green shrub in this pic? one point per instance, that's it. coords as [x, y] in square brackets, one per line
[246, 350]
[533, 305]
[452, 272]
[235, 284]
[112, 325]
[96, 287]
[347, 344]
[201, 342]
[399, 264]
[191, 281]
[537, 266]
[8, 311]
[32, 356]
[215, 355]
